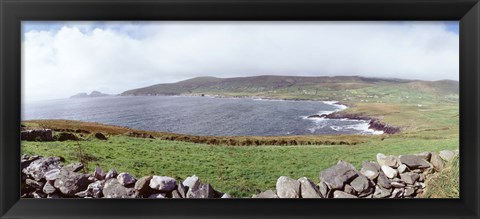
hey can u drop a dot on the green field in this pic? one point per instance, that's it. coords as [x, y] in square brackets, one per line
[426, 112]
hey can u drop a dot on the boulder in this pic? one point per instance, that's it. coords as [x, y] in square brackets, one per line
[370, 170]
[38, 168]
[437, 162]
[142, 185]
[48, 188]
[414, 162]
[308, 188]
[360, 184]
[74, 167]
[341, 194]
[52, 174]
[383, 181]
[93, 190]
[34, 184]
[100, 136]
[402, 168]
[65, 136]
[163, 183]
[201, 190]
[190, 182]
[349, 189]
[447, 155]
[113, 189]
[424, 155]
[381, 192]
[176, 194]
[409, 191]
[323, 189]
[37, 135]
[397, 193]
[39, 194]
[112, 173]
[99, 174]
[226, 196]
[409, 178]
[69, 183]
[389, 172]
[287, 187]
[336, 176]
[390, 161]
[266, 194]
[126, 179]
[397, 184]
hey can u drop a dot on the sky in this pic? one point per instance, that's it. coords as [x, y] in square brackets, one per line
[60, 59]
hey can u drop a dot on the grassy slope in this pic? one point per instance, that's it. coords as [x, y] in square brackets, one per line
[426, 111]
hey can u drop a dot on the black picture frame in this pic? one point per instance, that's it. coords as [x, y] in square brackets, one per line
[12, 12]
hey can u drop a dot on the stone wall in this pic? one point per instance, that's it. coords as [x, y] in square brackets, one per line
[387, 177]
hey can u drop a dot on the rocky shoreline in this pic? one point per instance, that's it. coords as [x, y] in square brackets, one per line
[388, 177]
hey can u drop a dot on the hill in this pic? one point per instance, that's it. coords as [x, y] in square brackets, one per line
[92, 94]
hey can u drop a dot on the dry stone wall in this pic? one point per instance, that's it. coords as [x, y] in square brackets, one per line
[387, 177]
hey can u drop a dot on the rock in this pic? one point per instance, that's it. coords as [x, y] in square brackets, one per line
[360, 184]
[182, 189]
[437, 162]
[34, 184]
[409, 178]
[381, 192]
[100, 175]
[65, 136]
[424, 155]
[226, 196]
[340, 194]
[39, 194]
[414, 162]
[349, 189]
[389, 172]
[157, 195]
[397, 193]
[113, 189]
[54, 196]
[126, 179]
[383, 181]
[287, 187]
[447, 155]
[397, 185]
[370, 170]
[323, 189]
[142, 185]
[390, 161]
[36, 135]
[336, 176]
[48, 188]
[112, 173]
[27, 160]
[38, 168]
[266, 194]
[409, 191]
[163, 183]
[69, 183]
[201, 190]
[190, 181]
[308, 188]
[176, 194]
[100, 136]
[52, 174]
[74, 167]
[93, 190]
[402, 168]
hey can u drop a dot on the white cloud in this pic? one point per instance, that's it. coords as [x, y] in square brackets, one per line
[114, 57]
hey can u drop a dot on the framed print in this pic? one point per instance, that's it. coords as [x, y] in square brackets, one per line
[245, 109]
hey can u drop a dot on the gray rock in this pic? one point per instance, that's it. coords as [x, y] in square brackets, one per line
[69, 183]
[157, 195]
[360, 184]
[226, 196]
[437, 162]
[163, 183]
[201, 190]
[409, 178]
[341, 194]
[383, 181]
[414, 162]
[409, 191]
[402, 168]
[390, 160]
[287, 187]
[308, 188]
[381, 192]
[370, 170]
[176, 194]
[39, 194]
[74, 167]
[113, 189]
[349, 189]
[34, 184]
[336, 176]
[54, 196]
[48, 188]
[182, 189]
[190, 181]
[100, 175]
[447, 155]
[111, 174]
[397, 184]
[93, 190]
[389, 172]
[126, 179]
[38, 168]
[266, 194]
[52, 174]
[397, 193]
[142, 185]
[424, 155]
[323, 189]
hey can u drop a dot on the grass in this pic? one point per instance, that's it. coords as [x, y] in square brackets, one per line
[445, 184]
[240, 171]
